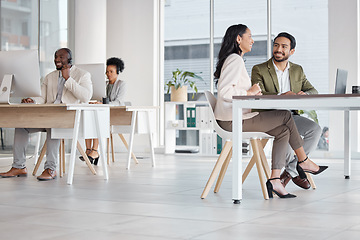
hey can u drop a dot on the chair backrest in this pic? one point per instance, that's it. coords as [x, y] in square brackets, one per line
[212, 102]
[226, 134]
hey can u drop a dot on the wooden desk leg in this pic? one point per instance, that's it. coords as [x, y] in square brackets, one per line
[101, 143]
[73, 146]
[131, 141]
[150, 139]
[88, 163]
[127, 147]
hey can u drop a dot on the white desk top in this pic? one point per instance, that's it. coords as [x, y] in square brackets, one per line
[319, 101]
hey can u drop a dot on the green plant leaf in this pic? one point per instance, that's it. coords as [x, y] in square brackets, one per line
[181, 78]
[311, 114]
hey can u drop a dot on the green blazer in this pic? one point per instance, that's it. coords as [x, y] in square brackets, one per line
[265, 75]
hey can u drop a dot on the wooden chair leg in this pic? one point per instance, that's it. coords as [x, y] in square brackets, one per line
[112, 148]
[248, 168]
[42, 154]
[127, 147]
[311, 180]
[263, 157]
[264, 162]
[224, 153]
[223, 171]
[256, 143]
[88, 163]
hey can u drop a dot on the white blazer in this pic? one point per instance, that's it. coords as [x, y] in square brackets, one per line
[77, 89]
[234, 81]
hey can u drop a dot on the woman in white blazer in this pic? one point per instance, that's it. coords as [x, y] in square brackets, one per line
[115, 92]
[232, 79]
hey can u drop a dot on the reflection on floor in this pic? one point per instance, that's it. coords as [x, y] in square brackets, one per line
[164, 203]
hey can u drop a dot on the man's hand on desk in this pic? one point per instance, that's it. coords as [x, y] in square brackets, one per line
[292, 93]
[95, 102]
[288, 93]
[27, 100]
[301, 93]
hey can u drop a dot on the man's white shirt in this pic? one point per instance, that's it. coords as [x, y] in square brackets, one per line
[283, 78]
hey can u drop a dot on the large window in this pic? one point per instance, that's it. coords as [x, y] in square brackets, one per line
[187, 38]
[23, 28]
[20, 28]
[53, 31]
[307, 21]
[19, 21]
[252, 13]
[187, 35]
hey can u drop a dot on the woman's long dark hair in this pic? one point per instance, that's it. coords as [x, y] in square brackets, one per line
[229, 46]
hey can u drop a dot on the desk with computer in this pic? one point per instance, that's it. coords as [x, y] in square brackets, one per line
[338, 101]
[20, 77]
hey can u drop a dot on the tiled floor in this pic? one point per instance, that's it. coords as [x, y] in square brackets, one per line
[148, 203]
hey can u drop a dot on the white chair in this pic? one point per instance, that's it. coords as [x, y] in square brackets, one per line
[258, 141]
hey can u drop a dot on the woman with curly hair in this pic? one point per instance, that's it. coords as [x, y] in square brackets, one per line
[115, 92]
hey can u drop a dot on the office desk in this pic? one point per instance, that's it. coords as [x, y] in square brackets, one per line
[75, 124]
[343, 102]
[123, 120]
[59, 117]
[36, 116]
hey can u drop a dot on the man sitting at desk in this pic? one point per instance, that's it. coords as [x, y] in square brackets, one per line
[67, 84]
[279, 76]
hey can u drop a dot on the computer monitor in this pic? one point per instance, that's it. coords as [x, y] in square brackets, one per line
[341, 79]
[98, 79]
[19, 74]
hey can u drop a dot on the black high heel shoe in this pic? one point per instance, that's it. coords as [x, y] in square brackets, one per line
[302, 172]
[270, 190]
[81, 157]
[94, 160]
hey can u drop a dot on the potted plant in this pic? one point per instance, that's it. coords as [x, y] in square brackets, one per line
[178, 85]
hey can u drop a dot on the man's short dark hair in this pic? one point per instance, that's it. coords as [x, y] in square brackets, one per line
[117, 62]
[288, 36]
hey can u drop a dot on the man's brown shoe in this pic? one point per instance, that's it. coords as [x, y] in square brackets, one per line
[285, 178]
[301, 182]
[14, 172]
[47, 175]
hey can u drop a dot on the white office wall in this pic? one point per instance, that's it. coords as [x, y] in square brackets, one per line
[344, 39]
[90, 31]
[132, 35]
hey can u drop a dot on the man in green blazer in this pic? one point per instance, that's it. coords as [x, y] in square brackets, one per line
[279, 76]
